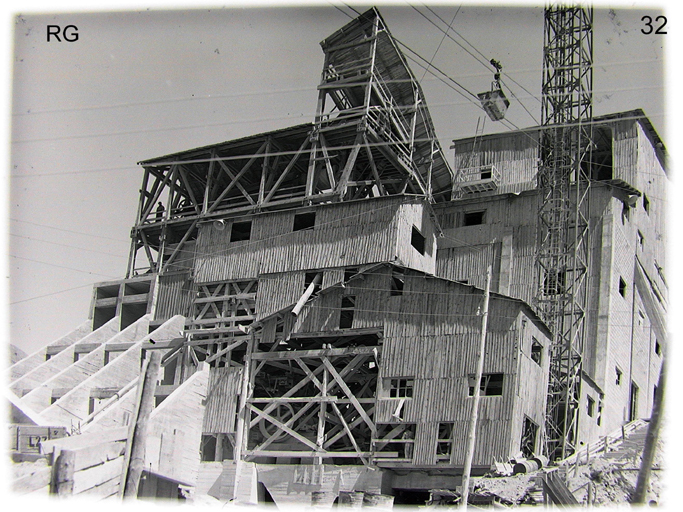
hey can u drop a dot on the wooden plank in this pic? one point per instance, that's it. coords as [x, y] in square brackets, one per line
[349, 394]
[306, 454]
[283, 427]
[98, 454]
[32, 482]
[97, 475]
[84, 440]
[317, 353]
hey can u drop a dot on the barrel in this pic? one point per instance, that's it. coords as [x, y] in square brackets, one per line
[351, 499]
[526, 466]
[541, 460]
[378, 501]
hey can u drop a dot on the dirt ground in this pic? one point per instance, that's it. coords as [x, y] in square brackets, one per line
[612, 482]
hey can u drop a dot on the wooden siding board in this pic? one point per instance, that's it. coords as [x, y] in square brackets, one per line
[221, 405]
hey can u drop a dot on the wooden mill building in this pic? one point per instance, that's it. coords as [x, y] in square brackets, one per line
[316, 293]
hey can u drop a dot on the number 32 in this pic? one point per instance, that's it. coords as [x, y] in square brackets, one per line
[650, 28]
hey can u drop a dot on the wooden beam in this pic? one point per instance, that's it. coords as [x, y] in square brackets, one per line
[227, 171]
[349, 394]
[289, 167]
[316, 353]
[239, 175]
[283, 427]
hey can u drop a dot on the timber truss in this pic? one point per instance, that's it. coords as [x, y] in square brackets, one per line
[313, 396]
[372, 136]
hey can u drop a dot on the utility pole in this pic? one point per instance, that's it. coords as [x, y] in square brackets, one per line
[651, 439]
[472, 431]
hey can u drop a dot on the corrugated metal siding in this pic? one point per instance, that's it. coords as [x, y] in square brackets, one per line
[222, 397]
[345, 234]
[514, 155]
[431, 332]
[174, 296]
[625, 151]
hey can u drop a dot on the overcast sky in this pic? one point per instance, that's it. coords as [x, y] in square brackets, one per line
[145, 83]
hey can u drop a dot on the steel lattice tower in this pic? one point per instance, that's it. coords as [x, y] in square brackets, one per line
[564, 182]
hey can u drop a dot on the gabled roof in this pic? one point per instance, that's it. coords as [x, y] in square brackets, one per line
[369, 269]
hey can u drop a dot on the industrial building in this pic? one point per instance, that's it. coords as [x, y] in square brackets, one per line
[316, 294]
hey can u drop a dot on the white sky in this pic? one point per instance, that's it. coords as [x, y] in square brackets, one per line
[144, 83]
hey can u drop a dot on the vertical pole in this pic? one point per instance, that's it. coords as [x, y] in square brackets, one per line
[472, 431]
[651, 439]
[137, 448]
[242, 418]
[321, 419]
[63, 474]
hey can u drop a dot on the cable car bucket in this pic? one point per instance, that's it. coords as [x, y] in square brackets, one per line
[494, 102]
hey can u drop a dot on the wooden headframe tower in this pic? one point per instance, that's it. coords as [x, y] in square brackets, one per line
[372, 136]
[562, 257]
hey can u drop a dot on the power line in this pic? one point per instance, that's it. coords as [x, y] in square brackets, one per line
[61, 266]
[69, 231]
[69, 246]
[50, 294]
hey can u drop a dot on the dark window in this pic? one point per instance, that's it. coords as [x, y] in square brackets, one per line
[309, 278]
[618, 373]
[401, 388]
[529, 434]
[641, 239]
[536, 351]
[486, 174]
[304, 221]
[625, 213]
[397, 281]
[348, 303]
[417, 240]
[633, 402]
[646, 204]
[350, 272]
[622, 287]
[240, 231]
[444, 442]
[658, 348]
[591, 407]
[491, 384]
[474, 218]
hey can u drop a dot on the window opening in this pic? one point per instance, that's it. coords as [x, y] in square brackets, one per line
[304, 221]
[658, 348]
[536, 351]
[474, 218]
[529, 435]
[622, 287]
[348, 303]
[417, 240]
[618, 376]
[350, 272]
[633, 402]
[641, 240]
[397, 281]
[491, 384]
[590, 407]
[240, 231]
[646, 204]
[401, 388]
[444, 442]
[309, 278]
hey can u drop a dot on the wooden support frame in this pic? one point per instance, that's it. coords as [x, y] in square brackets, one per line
[314, 379]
